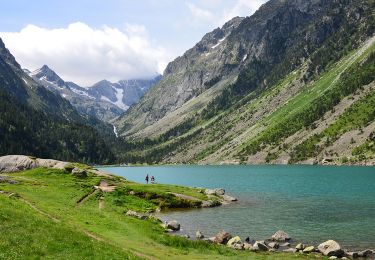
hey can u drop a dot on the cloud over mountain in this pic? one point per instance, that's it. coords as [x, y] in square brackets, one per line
[86, 55]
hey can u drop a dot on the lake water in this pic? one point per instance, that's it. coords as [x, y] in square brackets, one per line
[311, 203]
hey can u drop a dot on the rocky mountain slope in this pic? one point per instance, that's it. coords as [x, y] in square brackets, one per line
[292, 83]
[35, 121]
[104, 100]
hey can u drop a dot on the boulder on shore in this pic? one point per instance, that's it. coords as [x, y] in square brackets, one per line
[217, 192]
[135, 214]
[331, 248]
[260, 246]
[199, 235]
[308, 249]
[16, 163]
[234, 240]
[222, 237]
[280, 236]
[173, 225]
[274, 245]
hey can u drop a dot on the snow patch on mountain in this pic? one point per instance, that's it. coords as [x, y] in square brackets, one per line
[119, 96]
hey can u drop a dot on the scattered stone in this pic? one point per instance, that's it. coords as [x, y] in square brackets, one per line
[234, 240]
[344, 258]
[135, 214]
[222, 237]
[210, 203]
[290, 250]
[4, 179]
[132, 192]
[300, 246]
[217, 192]
[332, 257]
[331, 248]
[260, 246]
[308, 249]
[281, 236]
[352, 254]
[365, 253]
[286, 244]
[79, 172]
[238, 246]
[274, 245]
[247, 246]
[173, 225]
[199, 235]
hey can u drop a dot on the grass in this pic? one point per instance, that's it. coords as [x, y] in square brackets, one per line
[40, 218]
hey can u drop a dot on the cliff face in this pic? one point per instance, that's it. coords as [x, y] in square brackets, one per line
[280, 33]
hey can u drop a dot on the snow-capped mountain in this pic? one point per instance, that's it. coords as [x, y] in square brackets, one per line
[104, 100]
[123, 93]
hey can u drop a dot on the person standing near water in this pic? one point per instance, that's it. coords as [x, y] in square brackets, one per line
[152, 179]
[146, 179]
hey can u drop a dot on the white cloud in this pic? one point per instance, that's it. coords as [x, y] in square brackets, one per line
[200, 13]
[241, 8]
[86, 55]
[213, 11]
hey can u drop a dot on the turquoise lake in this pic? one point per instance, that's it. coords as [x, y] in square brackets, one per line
[311, 203]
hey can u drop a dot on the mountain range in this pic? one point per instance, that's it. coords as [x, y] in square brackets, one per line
[293, 83]
[104, 100]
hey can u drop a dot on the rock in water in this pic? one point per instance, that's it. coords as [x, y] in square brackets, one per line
[281, 236]
[228, 198]
[174, 225]
[331, 248]
[260, 246]
[199, 235]
[222, 237]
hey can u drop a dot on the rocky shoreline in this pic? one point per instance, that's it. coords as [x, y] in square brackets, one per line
[278, 242]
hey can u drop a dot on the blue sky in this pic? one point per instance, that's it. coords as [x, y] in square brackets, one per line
[134, 38]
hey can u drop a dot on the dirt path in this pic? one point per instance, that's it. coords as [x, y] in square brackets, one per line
[101, 203]
[86, 197]
[39, 210]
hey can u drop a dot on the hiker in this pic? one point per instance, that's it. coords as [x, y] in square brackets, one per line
[152, 179]
[146, 179]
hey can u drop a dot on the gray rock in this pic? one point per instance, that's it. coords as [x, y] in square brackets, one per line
[174, 225]
[280, 236]
[79, 172]
[300, 246]
[222, 237]
[247, 246]
[332, 257]
[352, 254]
[135, 214]
[274, 245]
[286, 244]
[217, 192]
[15, 163]
[308, 249]
[331, 248]
[260, 246]
[4, 179]
[228, 198]
[365, 253]
[199, 235]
